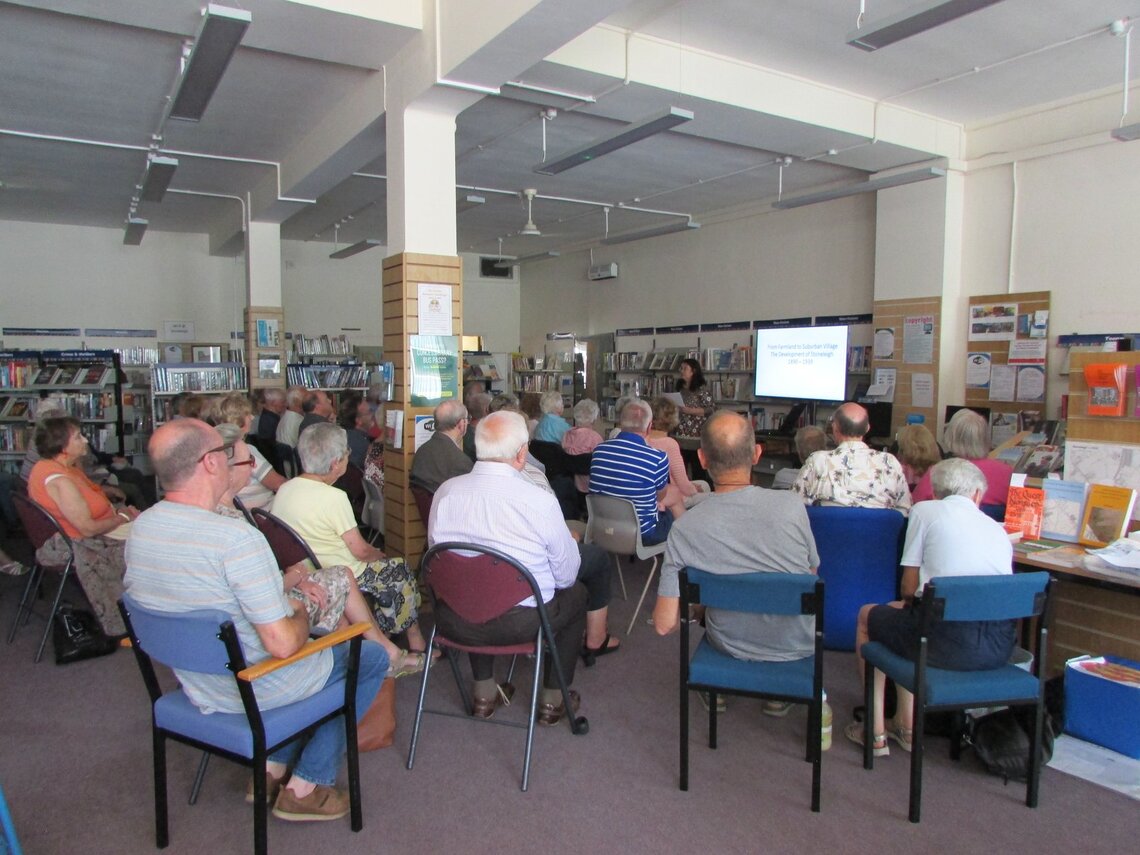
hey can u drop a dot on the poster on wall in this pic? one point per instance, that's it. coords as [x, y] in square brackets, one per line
[978, 370]
[424, 430]
[434, 309]
[1030, 383]
[885, 343]
[918, 339]
[1027, 351]
[993, 322]
[178, 330]
[1002, 381]
[268, 333]
[434, 363]
[922, 390]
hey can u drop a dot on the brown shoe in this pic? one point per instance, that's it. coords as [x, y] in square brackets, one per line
[272, 788]
[551, 714]
[484, 708]
[323, 803]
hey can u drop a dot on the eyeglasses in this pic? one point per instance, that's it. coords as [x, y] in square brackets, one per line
[235, 463]
[227, 449]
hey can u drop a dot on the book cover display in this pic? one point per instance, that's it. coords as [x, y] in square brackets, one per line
[1106, 516]
[1024, 510]
[1106, 388]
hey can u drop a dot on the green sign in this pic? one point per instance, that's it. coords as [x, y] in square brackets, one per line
[434, 369]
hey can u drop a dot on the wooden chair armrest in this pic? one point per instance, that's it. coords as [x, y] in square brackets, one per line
[268, 666]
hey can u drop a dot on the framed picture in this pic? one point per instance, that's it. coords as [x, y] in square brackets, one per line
[207, 353]
[269, 369]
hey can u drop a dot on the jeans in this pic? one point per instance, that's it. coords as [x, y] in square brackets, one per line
[321, 756]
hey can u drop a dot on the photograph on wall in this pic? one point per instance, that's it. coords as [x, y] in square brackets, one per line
[434, 367]
[268, 367]
[993, 322]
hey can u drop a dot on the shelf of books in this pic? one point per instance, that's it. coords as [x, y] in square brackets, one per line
[168, 379]
[561, 372]
[80, 383]
[334, 377]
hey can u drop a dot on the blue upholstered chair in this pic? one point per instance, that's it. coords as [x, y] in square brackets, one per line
[965, 598]
[709, 670]
[9, 845]
[206, 642]
[859, 551]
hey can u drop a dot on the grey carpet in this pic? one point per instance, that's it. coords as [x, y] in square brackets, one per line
[75, 763]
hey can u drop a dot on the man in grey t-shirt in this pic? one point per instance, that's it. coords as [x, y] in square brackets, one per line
[739, 529]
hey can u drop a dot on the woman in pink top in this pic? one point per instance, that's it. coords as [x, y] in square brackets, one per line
[582, 438]
[665, 418]
[967, 436]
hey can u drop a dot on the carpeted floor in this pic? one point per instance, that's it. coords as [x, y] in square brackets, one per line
[75, 763]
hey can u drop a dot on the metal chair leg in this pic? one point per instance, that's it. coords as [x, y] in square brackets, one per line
[199, 777]
[51, 614]
[621, 577]
[644, 591]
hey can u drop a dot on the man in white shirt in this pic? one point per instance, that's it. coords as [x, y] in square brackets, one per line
[495, 505]
[290, 425]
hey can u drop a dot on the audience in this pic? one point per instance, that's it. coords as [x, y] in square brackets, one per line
[967, 435]
[582, 438]
[948, 537]
[665, 420]
[317, 408]
[917, 451]
[183, 557]
[235, 409]
[289, 427]
[808, 440]
[442, 457]
[478, 405]
[270, 416]
[355, 416]
[853, 474]
[551, 427]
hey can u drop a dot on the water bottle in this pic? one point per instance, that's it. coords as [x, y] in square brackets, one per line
[825, 725]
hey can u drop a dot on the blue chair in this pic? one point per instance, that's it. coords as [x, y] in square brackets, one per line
[206, 642]
[965, 598]
[10, 845]
[859, 551]
[799, 681]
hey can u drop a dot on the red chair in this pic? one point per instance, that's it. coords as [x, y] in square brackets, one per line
[423, 498]
[40, 526]
[479, 584]
[288, 547]
[352, 483]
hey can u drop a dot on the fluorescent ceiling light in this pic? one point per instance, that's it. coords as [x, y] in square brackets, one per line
[468, 202]
[156, 178]
[353, 249]
[1127, 133]
[510, 261]
[626, 135]
[136, 228]
[687, 225]
[912, 22]
[221, 32]
[863, 187]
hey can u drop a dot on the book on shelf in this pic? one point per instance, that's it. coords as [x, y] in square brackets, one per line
[1106, 388]
[1107, 512]
[17, 408]
[1024, 509]
[46, 375]
[95, 375]
[1064, 509]
[1040, 461]
[656, 361]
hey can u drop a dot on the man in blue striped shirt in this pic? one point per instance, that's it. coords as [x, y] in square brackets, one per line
[628, 468]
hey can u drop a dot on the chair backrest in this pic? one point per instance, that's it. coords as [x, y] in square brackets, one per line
[288, 547]
[352, 483]
[759, 593]
[550, 455]
[267, 448]
[39, 525]
[477, 583]
[189, 641]
[245, 512]
[373, 505]
[579, 464]
[994, 511]
[612, 524]
[423, 498]
[977, 598]
[287, 457]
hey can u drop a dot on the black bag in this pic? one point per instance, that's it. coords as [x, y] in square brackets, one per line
[1001, 741]
[77, 636]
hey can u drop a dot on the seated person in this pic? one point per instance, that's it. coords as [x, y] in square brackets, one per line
[808, 440]
[496, 506]
[853, 474]
[916, 451]
[533, 467]
[948, 537]
[551, 426]
[740, 529]
[967, 436]
[270, 417]
[442, 457]
[182, 556]
[478, 405]
[322, 516]
[289, 425]
[582, 438]
[316, 407]
[236, 409]
[355, 416]
[628, 468]
[96, 527]
[665, 421]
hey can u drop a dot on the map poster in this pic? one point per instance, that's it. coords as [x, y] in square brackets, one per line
[1115, 464]
[434, 366]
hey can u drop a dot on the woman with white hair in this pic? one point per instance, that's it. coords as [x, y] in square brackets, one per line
[322, 516]
[582, 438]
[967, 436]
[551, 426]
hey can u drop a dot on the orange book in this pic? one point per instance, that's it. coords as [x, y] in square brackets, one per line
[1107, 513]
[1024, 511]
[1106, 388]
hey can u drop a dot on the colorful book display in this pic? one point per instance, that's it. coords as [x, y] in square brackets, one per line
[1024, 510]
[1106, 388]
[1107, 513]
[1064, 509]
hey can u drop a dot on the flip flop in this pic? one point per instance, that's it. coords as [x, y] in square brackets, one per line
[590, 654]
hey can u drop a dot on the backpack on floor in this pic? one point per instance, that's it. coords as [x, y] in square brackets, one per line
[1001, 741]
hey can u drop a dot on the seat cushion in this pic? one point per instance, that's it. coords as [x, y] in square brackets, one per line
[961, 688]
[710, 667]
[230, 731]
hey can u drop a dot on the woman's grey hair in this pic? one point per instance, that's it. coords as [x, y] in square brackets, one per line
[320, 446]
[957, 477]
[585, 413]
[230, 432]
[967, 435]
[504, 401]
[500, 435]
[636, 415]
[551, 402]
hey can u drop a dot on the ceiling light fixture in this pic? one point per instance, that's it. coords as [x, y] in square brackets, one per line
[136, 228]
[685, 226]
[217, 40]
[869, 186]
[626, 135]
[354, 248]
[1127, 134]
[468, 202]
[912, 22]
[156, 177]
[508, 261]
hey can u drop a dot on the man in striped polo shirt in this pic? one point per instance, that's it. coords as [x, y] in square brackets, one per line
[628, 468]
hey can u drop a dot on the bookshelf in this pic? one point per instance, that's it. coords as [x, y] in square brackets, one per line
[560, 372]
[168, 379]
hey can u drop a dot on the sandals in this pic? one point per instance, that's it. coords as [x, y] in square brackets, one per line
[590, 654]
[899, 734]
[410, 662]
[879, 748]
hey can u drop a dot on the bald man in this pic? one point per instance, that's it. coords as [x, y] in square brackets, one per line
[853, 474]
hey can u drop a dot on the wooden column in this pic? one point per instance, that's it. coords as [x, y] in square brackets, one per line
[405, 533]
[254, 352]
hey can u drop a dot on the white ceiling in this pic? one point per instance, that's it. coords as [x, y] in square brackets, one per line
[100, 70]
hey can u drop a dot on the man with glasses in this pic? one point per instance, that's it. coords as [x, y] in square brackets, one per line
[182, 556]
[442, 457]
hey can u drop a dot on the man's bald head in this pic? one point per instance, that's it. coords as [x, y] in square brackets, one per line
[728, 446]
[850, 422]
[177, 447]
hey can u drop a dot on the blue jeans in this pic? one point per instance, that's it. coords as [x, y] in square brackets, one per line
[321, 756]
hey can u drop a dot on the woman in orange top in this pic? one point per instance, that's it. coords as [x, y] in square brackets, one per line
[97, 528]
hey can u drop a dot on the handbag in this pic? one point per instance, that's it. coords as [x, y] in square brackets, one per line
[377, 727]
[76, 636]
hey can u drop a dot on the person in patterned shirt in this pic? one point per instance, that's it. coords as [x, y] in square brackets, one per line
[853, 474]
